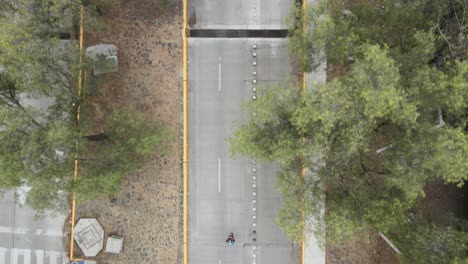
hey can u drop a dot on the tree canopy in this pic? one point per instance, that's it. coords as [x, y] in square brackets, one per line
[130, 139]
[394, 121]
[39, 134]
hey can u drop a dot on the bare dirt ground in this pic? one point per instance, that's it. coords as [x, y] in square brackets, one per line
[369, 248]
[443, 199]
[440, 200]
[147, 210]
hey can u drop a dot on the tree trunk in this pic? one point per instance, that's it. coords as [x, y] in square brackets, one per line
[98, 137]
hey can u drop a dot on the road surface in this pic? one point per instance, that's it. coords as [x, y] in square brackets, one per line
[231, 195]
[238, 14]
[26, 240]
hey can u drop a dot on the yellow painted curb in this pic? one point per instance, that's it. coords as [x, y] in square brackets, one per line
[75, 170]
[185, 129]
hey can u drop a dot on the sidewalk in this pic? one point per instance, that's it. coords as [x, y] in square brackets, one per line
[313, 254]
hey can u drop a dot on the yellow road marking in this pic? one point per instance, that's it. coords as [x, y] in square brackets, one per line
[75, 171]
[72, 220]
[185, 128]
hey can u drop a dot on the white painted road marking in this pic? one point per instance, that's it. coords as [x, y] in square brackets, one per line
[219, 174]
[219, 74]
[2, 255]
[13, 259]
[54, 255]
[39, 256]
[30, 231]
[51, 257]
[27, 256]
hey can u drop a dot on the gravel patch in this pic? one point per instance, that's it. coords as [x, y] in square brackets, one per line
[147, 209]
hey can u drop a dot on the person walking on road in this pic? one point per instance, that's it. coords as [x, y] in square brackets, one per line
[230, 240]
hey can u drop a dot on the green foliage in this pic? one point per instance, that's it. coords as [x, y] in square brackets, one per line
[290, 217]
[323, 35]
[39, 136]
[338, 120]
[344, 122]
[417, 32]
[431, 154]
[291, 185]
[101, 184]
[424, 242]
[351, 108]
[36, 89]
[36, 155]
[406, 90]
[97, 12]
[132, 139]
[441, 89]
[408, 72]
[271, 134]
[35, 60]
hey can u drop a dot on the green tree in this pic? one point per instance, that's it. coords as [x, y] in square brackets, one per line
[407, 73]
[344, 122]
[424, 242]
[33, 56]
[393, 122]
[338, 121]
[39, 136]
[336, 29]
[344, 112]
[270, 134]
[41, 154]
[37, 155]
[428, 155]
[320, 32]
[129, 138]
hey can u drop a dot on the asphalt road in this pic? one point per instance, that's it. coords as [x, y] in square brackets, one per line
[26, 240]
[225, 194]
[238, 14]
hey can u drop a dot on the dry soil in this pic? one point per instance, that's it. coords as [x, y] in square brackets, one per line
[147, 210]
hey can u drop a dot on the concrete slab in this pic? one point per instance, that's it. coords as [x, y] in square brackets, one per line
[89, 236]
[104, 57]
[84, 262]
[114, 244]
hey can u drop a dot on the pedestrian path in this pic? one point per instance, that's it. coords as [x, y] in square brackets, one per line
[28, 256]
[313, 253]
